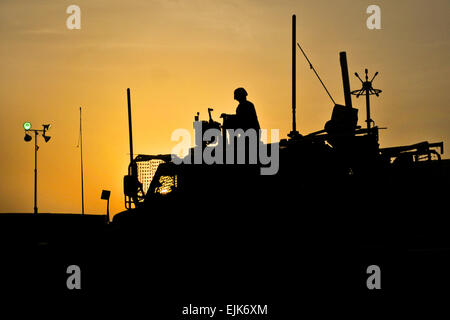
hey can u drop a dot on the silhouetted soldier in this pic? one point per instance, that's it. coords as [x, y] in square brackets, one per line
[245, 117]
[245, 112]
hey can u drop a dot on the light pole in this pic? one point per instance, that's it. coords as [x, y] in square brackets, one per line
[27, 138]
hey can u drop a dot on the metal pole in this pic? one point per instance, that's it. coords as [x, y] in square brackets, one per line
[294, 41]
[107, 211]
[368, 110]
[82, 176]
[130, 128]
[35, 172]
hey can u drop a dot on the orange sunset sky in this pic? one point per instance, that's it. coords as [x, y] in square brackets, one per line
[180, 57]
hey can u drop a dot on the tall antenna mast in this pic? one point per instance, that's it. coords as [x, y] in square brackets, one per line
[294, 132]
[81, 156]
[130, 128]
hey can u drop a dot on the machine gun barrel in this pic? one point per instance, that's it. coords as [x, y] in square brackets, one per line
[345, 79]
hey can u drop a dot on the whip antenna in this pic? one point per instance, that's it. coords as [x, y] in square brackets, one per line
[80, 143]
[311, 67]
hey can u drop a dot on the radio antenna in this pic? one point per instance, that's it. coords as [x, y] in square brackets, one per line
[81, 163]
[311, 67]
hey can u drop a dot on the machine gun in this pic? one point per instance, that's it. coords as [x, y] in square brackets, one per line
[206, 125]
[404, 155]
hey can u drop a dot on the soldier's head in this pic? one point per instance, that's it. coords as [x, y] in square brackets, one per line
[240, 94]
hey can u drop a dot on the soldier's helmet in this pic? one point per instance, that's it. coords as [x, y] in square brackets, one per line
[240, 93]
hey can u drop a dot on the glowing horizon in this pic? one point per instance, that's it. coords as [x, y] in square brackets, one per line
[180, 57]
